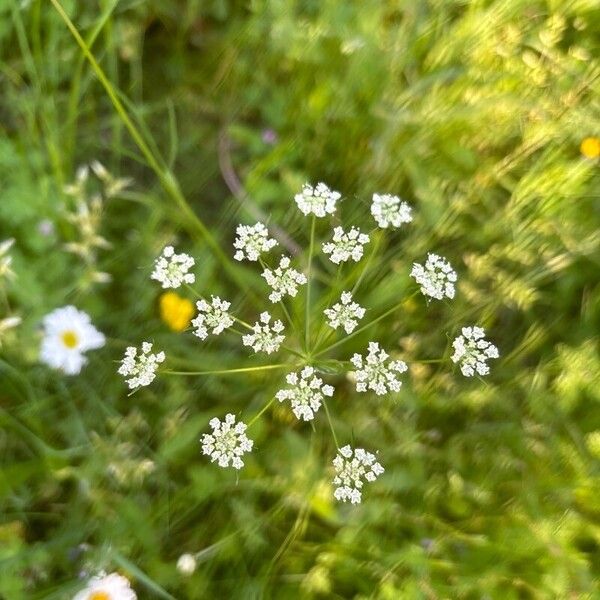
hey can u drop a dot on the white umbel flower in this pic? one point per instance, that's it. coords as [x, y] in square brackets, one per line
[252, 241]
[345, 314]
[284, 280]
[107, 587]
[172, 269]
[213, 316]
[227, 443]
[472, 351]
[345, 246]
[436, 278]
[266, 337]
[140, 368]
[375, 372]
[390, 211]
[68, 333]
[352, 468]
[306, 393]
[319, 200]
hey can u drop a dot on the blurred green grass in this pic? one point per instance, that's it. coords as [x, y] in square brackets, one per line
[471, 111]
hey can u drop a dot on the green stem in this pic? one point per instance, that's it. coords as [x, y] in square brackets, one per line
[225, 371]
[261, 412]
[308, 276]
[331, 424]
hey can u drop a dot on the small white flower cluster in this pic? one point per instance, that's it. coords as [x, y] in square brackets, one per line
[347, 314]
[186, 564]
[284, 280]
[351, 468]
[472, 351]
[319, 200]
[68, 334]
[140, 368]
[252, 241]
[107, 587]
[212, 316]
[266, 337]
[376, 373]
[345, 246]
[390, 210]
[227, 443]
[171, 269]
[306, 394]
[436, 278]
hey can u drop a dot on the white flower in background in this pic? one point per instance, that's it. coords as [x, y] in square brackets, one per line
[319, 200]
[227, 443]
[212, 316]
[347, 314]
[390, 210]
[283, 280]
[352, 468]
[252, 241]
[306, 394]
[140, 368]
[265, 338]
[345, 246]
[186, 564]
[472, 351]
[107, 587]
[375, 372]
[68, 333]
[172, 269]
[436, 278]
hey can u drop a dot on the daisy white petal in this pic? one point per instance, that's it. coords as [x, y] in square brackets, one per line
[107, 587]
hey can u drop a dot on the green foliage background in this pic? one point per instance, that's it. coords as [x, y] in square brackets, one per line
[473, 111]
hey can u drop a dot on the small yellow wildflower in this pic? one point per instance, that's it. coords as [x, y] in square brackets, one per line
[175, 311]
[590, 147]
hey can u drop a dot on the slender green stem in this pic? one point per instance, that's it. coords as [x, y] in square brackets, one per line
[331, 424]
[225, 371]
[308, 276]
[429, 360]
[261, 412]
[367, 264]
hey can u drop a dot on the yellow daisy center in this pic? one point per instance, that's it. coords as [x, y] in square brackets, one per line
[100, 595]
[70, 340]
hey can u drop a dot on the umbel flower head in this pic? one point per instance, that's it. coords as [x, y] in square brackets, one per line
[107, 587]
[436, 278]
[472, 351]
[352, 468]
[390, 211]
[318, 201]
[345, 246]
[376, 373]
[172, 269]
[265, 337]
[252, 241]
[140, 368]
[213, 316]
[227, 443]
[345, 314]
[68, 334]
[284, 280]
[306, 393]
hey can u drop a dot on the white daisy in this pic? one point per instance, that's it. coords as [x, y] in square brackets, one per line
[227, 443]
[252, 241]
[352, 466]
[212, 316]
[107, 587]
[436, 278]
[345, 246]
[284, 280]
[390, 210]
[306, 393]
[140, 368]
[68, 333]
[375, 372]
[172, 269]
[319, 200]
[347, 314]
[472, 351]
[265, 337]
